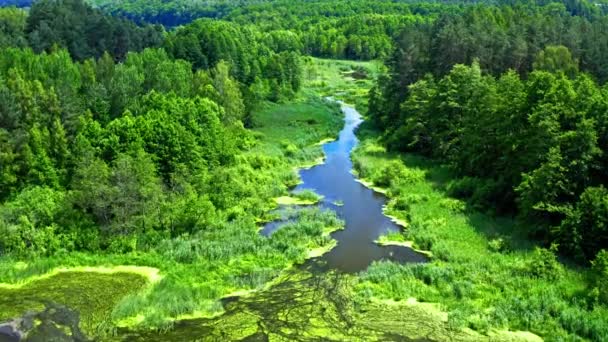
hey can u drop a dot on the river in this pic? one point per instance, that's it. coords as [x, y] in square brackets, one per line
[312, 302]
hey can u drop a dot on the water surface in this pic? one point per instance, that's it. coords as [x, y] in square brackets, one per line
[361, 209]
[313, 302]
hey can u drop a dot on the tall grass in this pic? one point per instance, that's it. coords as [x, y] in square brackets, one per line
[484, 274]
[227, 255]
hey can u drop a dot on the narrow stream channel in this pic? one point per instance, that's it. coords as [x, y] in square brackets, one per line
[311, 297]
[361, 209]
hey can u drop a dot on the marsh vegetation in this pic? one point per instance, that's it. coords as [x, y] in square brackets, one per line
[180, 170]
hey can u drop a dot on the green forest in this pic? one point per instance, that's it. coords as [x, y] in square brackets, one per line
[146, 147]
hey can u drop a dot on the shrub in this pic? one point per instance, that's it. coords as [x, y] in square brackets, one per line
[453, 205]
[425, 240]
[307, 195]
[433, 275]
[480, 193]
[600, 275]
[422, 235]
[462, 188]
[400, 203]
[463, 289]
[291, 150]
[442, 251]
[499, 245]
[395, 172]
[585, 229]
[123, 244]
[544, 264]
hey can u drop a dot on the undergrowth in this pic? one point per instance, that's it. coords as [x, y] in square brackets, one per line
[483, 272]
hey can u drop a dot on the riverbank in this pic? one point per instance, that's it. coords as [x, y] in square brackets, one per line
[324, 304]
[483, 274]
[195, 272]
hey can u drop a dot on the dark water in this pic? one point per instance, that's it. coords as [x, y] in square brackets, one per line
[313, 302]
[361, 209]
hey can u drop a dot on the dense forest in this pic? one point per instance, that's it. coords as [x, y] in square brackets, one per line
[521, 116]
[95, 150]
[165, 134]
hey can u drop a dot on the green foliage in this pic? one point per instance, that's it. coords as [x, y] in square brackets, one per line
[307, 195]
[480, 272]
[84, 31]
[532, 142]
[235, 52]
[556, 59]
[544, 264]
[600, 275]
[585, 227]
[12, 27]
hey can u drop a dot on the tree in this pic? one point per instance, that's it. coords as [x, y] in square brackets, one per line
[584, 231]
[126, 85]
[556, 59]
[136, 196]
[230, 96]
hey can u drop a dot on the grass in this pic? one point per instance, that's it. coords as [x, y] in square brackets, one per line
[483, 274]
[197, 271]
[348, 81]
[294, 130]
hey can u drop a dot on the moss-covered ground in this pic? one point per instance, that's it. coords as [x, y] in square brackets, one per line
[93, 294]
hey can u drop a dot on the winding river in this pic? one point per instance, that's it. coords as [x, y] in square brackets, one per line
[360, 207]
[309, 299]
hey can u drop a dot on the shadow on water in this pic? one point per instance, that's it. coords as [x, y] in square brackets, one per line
[314, 301]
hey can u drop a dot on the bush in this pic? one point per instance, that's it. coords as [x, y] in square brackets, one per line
[585, 229]
[422, 235]
[462, 188]
[289, 148]
[463, 289]
[442, 251]
[544, 264]
[453, 205]
[425, 240]
[307, 195]
[480, 193]
[396, 172]
[433, 275]
[499, 245]
[399, 203]
[600, 275]
[123, 244]
[25, 239]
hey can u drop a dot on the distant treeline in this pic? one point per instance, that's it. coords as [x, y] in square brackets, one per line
[356, 29]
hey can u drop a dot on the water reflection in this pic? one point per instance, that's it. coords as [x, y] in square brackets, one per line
[361, 209]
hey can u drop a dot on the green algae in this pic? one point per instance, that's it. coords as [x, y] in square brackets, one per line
[304, 305]
[92, 294]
